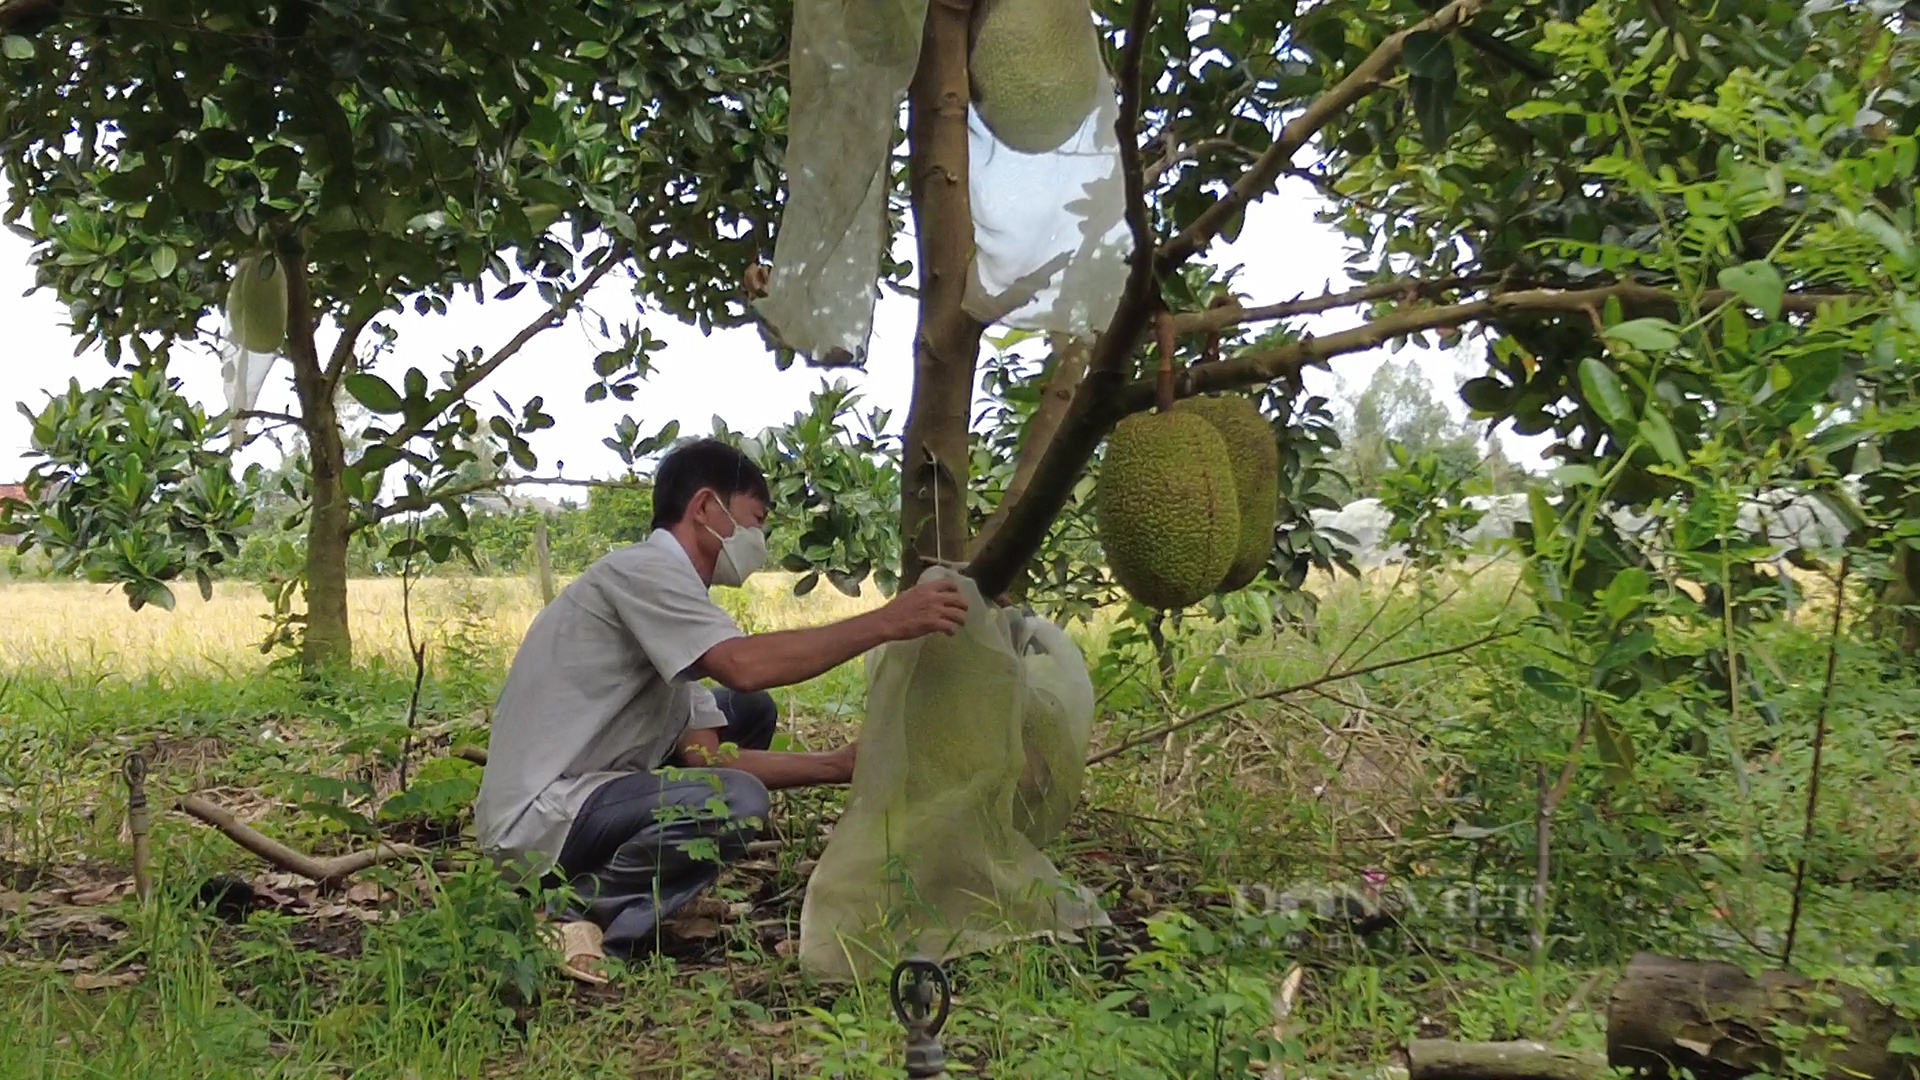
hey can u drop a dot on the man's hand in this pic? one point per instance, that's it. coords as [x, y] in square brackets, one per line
[931, 607]
[841, 762]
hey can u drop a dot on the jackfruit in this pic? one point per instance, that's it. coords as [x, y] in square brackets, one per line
[1166, 509]
[1036, 69]
[257, 304]
[1256, 479]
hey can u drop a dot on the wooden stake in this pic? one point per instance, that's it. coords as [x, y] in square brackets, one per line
[543, 558]
[139, 818]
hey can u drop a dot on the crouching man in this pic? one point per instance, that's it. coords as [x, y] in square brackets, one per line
[606, 752]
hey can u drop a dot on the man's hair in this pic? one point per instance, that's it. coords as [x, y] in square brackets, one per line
[703, 463]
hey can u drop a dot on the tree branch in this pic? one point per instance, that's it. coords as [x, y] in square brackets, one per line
[282, 857]
[351, 328]
[1127, 127]
[1260, 177]
[1191, 152]
[1257, 366]
[408, 503]
[1069, 365]
[1165, 730]
[546, 320]
[1217, 319]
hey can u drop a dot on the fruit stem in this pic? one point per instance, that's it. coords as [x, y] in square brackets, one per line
[1163, 324]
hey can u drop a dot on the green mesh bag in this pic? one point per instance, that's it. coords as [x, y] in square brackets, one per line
[970, 758]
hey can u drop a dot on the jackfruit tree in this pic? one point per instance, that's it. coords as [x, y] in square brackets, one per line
[363, 158]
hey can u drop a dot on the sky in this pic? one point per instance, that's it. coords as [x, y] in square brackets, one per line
[1285, 253]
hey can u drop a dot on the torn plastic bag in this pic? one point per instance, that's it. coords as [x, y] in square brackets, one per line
[1050, 233]
[928, 857]
[850, 63]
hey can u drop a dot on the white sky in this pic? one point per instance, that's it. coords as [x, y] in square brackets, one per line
[1284, 251]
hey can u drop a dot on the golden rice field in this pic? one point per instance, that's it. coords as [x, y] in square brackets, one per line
[90, 628]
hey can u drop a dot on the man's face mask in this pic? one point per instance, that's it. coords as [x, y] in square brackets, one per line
[740, 554]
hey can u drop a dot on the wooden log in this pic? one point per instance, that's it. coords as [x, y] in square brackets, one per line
[282, 857]
[1721, 1024]
[1440, 1059]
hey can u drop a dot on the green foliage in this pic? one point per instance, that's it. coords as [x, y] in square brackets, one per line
[127, 488]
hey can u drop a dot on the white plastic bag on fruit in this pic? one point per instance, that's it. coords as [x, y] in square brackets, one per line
[931, 856]
[850, 63]
[243, 374]
[1050, 232]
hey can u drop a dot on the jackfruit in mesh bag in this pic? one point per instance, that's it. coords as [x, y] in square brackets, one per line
[928, 857]
[850, 63]
[1056, 722]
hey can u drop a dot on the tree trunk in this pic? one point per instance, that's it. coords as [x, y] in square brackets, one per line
[1720, 1023]
[936, 464]
[1438, 1059]
[327, 640]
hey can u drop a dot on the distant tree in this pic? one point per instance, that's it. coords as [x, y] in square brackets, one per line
[1398, 405]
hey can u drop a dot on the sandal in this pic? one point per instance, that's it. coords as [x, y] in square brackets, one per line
[578, 943]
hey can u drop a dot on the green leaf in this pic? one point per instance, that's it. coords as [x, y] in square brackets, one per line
[1549, 684]
[1626, 650]
[1616, 749]
[1428, 53]
[1433, 106]
[16, 47]
[1627, 590]
[590, 50]
[374, 392]
[165, 259]
[1757, 284]
[1648, 335]
[1659, 435]
[1575, 475]
[1602, 389]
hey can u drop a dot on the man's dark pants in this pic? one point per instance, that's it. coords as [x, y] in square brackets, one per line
[645, 844]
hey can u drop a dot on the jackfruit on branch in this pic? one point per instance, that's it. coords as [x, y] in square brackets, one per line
[257, 304]
[1166, 508]
[1035, 67]
[1255, 455]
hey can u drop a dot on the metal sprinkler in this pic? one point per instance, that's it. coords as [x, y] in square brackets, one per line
[921, 997]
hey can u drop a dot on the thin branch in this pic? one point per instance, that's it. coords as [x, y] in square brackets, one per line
[1192, 152]
[1127, 128]
[350, 330]
[282, 857]
[1164, 730]
[1813, 776]
[259, 414]
[1069, 365]
[1256, 366]
[1259, 178]
[545, 321]
[1226, 317]
[407, 503]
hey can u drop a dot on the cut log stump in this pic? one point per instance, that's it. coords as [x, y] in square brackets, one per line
[1440, 1059]
[1720, 1023]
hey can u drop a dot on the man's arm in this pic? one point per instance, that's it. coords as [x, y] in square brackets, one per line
[764, 661]
[701, 749]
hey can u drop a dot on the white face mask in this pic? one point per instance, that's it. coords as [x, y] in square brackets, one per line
[740, 554]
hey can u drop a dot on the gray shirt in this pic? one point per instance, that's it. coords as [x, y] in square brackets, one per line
[600, 688]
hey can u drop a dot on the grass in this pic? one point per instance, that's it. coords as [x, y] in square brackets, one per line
[1201, 843]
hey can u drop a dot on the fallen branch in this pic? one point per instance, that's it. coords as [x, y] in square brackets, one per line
[1719, 1023]
[1439, 1059]
[282, 857]
[1164, 730]
[475, 754]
